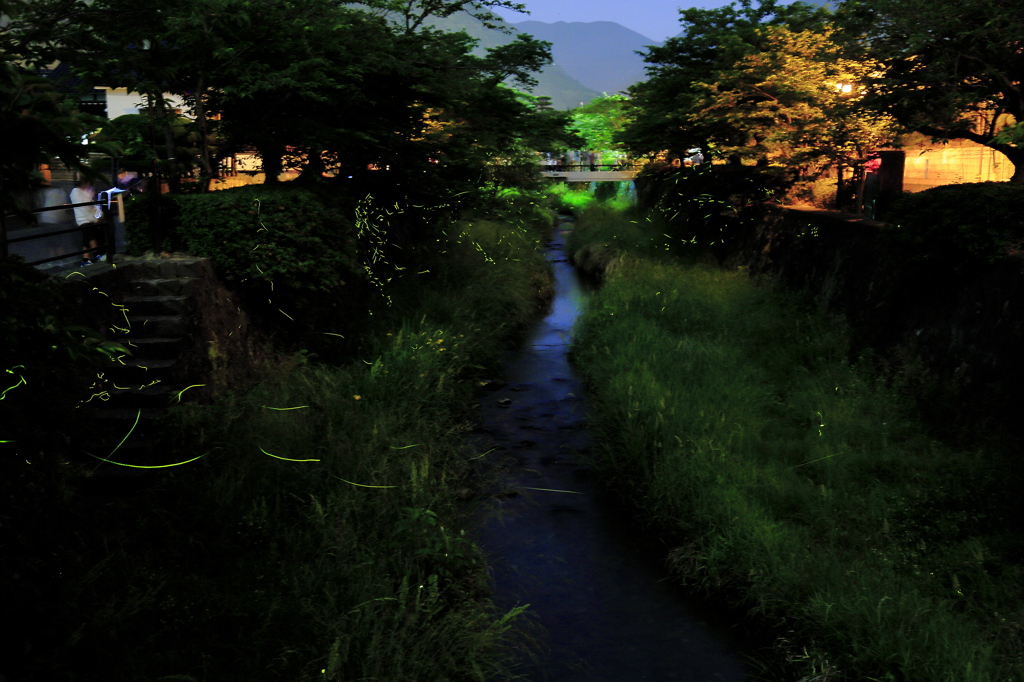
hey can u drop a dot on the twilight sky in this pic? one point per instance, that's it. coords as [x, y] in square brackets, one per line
[655, 19]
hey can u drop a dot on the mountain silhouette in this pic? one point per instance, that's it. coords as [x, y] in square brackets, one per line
[602, 55]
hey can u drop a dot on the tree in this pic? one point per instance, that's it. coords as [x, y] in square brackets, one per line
[38, 123]
[714, 40]
[954, 68]
[600, 121]
[796, 102]
[411, 15]
[340, 87]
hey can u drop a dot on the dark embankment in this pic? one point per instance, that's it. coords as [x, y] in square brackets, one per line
[799, 477]
[303, 523]
[935, 294]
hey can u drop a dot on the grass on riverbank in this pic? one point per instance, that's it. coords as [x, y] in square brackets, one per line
[317, 537]
[798, 485]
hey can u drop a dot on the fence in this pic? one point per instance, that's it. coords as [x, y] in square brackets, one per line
[13, 229]
[591, 167]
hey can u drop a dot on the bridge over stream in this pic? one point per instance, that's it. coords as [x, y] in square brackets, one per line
[592, 173]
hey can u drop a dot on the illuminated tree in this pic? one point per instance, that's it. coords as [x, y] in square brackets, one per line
[600, 121]
[955, 68]
[713, 41]
[795, 102]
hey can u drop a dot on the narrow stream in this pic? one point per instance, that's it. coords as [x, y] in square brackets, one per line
[607, 610]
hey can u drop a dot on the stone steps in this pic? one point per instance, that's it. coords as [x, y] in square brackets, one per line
[157, 299]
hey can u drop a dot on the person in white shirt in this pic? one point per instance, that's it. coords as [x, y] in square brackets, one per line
[88, 218]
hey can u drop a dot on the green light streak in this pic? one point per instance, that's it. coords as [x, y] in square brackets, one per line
[137, 416]
[140, 466]
[405, 447]
[186, 388]
[287, 459]
[21, 382]
[362, 485]
[552, 490]
[285, 314]
[340, 336]
[283, 409]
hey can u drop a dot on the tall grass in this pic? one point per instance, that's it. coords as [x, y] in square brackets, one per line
[797, 484]
[319, 534]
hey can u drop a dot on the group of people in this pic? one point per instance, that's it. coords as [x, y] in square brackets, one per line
[585, 160]
[90, 216]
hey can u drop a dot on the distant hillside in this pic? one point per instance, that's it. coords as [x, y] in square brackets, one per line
[554, 82]
[599, 54]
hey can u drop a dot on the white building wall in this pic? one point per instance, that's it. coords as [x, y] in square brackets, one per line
[121, 102]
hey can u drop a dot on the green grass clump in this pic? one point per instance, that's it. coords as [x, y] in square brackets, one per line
[798, 485]
[317, 533]
[569, 198]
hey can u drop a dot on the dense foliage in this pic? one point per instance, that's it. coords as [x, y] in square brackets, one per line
[800, 86]
[706, 206]
[956, 226]
[952, 68]
[322, 86]
[39, 123]
[599, 122]
[801, 487]
[285, 237]
[314, 532]
[764, 84]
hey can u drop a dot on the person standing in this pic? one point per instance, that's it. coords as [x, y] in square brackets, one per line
[89, 218]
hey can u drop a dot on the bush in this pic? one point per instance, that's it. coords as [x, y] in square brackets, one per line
[139, 224]
[960, 225]
[564, 199]
[820, 192]
[704, 205]
[282, 236]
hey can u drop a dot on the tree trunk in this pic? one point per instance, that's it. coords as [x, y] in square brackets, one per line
[1016, 157]
[314, 169]
[166, 116]
[270, 154]
[208, 171]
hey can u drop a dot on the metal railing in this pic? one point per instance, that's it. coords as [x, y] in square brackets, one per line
[590, 167]
[106, 245]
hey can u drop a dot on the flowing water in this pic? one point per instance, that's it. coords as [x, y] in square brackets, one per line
[555, 540]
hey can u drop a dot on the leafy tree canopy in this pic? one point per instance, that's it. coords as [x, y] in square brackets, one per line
[599, 121]
[769, 84]
[954, 68]
[797, 102]
[343, 87]
[38, 122]
[713, 40]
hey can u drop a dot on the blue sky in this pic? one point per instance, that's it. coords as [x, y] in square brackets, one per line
[655, 19]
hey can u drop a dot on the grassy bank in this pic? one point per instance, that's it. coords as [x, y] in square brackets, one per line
[314, 532]
[795, 484]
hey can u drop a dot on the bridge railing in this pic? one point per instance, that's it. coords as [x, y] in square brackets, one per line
[589, 167]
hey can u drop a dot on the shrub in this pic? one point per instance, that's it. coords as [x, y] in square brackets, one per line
[959, 225]
[139, 224]
[704, 205]
[283, 236]
[565, 199]
[820, 192]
